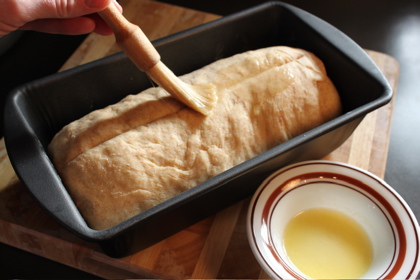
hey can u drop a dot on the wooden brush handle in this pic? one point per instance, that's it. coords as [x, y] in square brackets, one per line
[131, 39]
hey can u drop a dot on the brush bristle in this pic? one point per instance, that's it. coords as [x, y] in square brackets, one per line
[202, 98]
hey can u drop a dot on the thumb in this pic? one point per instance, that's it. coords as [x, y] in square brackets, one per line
[62, 9]
[32, 14]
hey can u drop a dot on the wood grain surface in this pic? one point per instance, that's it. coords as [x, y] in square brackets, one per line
[216, 247]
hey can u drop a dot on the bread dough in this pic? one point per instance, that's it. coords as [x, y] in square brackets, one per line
[128, 157]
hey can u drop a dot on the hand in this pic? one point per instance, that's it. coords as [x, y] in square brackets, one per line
[70, 17]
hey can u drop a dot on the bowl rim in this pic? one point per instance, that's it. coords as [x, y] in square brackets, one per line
[407, 226]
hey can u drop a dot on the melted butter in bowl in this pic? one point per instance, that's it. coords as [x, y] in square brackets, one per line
[327, 244]
[329, 220]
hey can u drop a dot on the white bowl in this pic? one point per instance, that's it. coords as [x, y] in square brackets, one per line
[387, 219]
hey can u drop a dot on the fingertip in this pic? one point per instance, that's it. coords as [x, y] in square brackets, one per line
[100, 25]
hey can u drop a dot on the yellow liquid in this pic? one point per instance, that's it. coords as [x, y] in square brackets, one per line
[327, 244]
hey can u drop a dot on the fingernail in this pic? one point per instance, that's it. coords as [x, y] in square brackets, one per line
[118, 4]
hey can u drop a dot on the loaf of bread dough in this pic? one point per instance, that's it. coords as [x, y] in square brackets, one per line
[128, 157]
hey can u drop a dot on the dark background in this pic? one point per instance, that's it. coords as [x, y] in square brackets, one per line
[388, 26]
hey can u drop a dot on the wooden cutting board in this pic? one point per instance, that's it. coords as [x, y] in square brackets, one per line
[216, 247]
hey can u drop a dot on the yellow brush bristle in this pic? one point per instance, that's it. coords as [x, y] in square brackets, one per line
[202, 98]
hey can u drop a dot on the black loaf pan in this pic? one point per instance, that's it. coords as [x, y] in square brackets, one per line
[36, 111]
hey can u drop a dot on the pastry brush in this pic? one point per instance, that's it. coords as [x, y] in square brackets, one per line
[131, 39]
